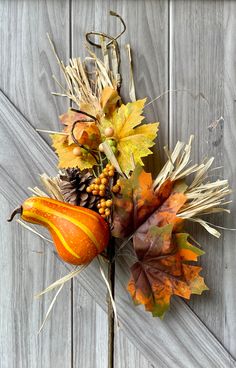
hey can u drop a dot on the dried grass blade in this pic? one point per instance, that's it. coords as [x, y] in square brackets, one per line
[132, 93]
[51, 184]
[206, 226]
[38, 192]
[33, 231]
[109, 291]
[50, 308]
[63, 280]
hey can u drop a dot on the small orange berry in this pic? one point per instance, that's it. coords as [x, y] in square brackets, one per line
[95, 192]
[102, 193]
[111, 173]
[104, 181]
[107, 212]
[97, 181]
[116, 189]
[103, 204]
[109, 203]
[101, 210]
[102, 187]
[88, 189]
[99, 205]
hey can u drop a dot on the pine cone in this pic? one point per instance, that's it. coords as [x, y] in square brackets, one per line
[73, 184]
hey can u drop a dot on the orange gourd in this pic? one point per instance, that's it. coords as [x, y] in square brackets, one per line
[79, 234]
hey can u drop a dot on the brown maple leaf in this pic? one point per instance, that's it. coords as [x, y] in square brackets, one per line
[161, 271]
[136, 201]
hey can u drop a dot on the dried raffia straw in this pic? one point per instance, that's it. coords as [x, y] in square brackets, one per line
[51, 184]
[38, 192]
[33, 231]
[59, 283]
[80, 84]
[203, 197]
[63, 280]
[51, 132]
[83, 86]
[132, 93]
[109, 291]
[50, 308]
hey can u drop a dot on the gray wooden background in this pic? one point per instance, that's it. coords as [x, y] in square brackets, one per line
[189, 46]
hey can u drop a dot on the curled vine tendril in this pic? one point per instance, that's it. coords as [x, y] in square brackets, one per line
[105, 35]
[92, 152]
[113, 40]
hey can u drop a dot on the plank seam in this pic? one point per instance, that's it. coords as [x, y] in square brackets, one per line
[71, 282]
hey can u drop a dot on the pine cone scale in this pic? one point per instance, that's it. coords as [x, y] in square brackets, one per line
[73, 185]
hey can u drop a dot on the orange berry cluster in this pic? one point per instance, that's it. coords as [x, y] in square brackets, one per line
[99, 185]
[98, 188]
[104, 207]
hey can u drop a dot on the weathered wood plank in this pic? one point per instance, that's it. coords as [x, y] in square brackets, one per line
[202, 63]
[199, 36]
[13, 185]
[28, 265]
[127, 355]
[27, 61]
[90, 323]
[180, 340]
[229, 239]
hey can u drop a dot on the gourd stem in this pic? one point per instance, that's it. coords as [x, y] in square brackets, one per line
[17, 210]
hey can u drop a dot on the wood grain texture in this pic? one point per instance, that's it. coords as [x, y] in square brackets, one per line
[90, 326]
[89, 317]
[27, 61]
[229, 239]
[185, 45]
[28, 265]
[202, 63]
[162, 342]
[180, 340]
[127, 354]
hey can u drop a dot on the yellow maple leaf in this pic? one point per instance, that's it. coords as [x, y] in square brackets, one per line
[133, 140]
[65, 154]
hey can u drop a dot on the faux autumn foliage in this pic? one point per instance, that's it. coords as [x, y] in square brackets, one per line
[162, 271]
[133, 140]
[100, 150]
[154, 212]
